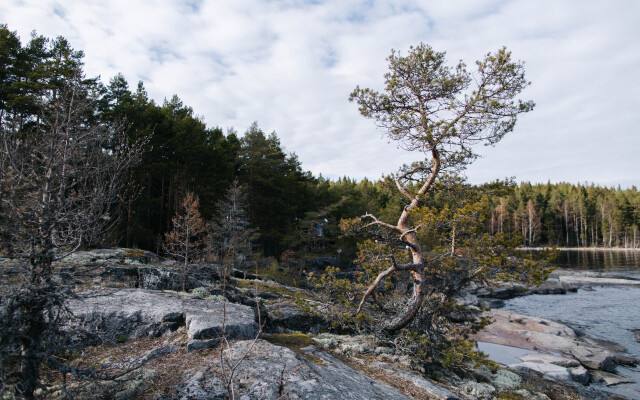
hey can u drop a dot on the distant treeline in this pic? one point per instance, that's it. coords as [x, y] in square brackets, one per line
[291, 208]
[567, 215]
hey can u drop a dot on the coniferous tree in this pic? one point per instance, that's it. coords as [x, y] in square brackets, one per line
[440, 111]
[230, 236]
[62, 171]
[185, 242]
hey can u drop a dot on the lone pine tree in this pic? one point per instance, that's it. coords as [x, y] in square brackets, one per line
[441, 112]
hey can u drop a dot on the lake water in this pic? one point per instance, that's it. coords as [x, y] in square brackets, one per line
[615, 261]
[605, 312]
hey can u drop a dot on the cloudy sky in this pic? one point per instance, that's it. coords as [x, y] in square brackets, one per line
[291, 64]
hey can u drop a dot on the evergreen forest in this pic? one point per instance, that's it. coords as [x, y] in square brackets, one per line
[290, 208]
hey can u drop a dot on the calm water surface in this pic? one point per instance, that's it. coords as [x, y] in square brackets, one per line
[618, 261]
[606, 312]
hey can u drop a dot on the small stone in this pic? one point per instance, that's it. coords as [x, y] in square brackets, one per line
[579, 374]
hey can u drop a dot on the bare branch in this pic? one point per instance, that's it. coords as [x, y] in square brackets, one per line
[377, 222]
[384, 274]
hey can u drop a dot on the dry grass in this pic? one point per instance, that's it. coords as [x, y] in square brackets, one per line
[170, 369]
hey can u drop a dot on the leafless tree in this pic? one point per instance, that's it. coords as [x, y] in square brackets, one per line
[59, 187]
[230, 234]
[186, 241]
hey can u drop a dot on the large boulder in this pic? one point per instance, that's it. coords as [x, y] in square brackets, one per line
[127, 276]
[526, 332]
[135, 313]
[284, 313]
[554, 366]
[272, 372]
[502, 292]
[549, 370]
[595, 358]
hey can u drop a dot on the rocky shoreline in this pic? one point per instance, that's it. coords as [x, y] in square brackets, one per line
[166, 342]
[556, 350]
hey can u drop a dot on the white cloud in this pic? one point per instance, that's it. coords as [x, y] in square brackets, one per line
[290, 65]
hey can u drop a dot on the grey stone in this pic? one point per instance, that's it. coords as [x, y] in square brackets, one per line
[491, 303]
[199, 387]
[478, 390]
[595, 358]
[607, 378]
[128, 256]
[127, 276]
[202, 344]
[550, 359]
[502, 292]
[605, 344]
[141, 313]
[432, 390]
[534, 396]
[271, 372]
[623, 359]
[548, 370]
[467, 299]
[526, 332]
[204, 320]
[544, 363]
[504, 379]
[579, 374]
[284, 313]
[154, 278]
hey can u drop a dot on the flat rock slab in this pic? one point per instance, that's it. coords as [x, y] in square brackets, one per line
[526, 332]
[593, 278]
[554, 367]
[548, 370]
[139, 313]
[541, 358]
[595, 358]
[608, 378]
[272, 372]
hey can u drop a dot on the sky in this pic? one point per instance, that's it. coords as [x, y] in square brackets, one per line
[290, 65]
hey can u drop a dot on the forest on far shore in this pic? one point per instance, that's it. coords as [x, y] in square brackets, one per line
[291, 208]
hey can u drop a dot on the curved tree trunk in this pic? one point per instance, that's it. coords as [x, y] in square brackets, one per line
[407, 315]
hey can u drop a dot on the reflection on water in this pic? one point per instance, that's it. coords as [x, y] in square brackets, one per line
[503, 354]
[599, 260]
